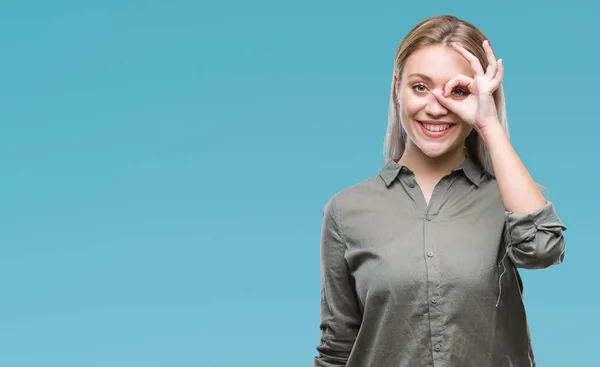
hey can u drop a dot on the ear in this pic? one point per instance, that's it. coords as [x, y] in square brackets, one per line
[396, 84]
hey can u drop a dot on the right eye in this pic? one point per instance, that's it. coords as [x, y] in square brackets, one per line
[419, 88]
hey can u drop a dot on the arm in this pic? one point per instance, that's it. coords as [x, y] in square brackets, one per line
[340, 314]
[518, 190]
[533, 230]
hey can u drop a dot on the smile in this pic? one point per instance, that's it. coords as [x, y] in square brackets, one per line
[436, 129]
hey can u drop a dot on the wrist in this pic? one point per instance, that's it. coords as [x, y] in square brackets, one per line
[490, 129]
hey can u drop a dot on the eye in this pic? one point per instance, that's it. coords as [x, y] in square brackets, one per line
[419, 88]
[460, 92]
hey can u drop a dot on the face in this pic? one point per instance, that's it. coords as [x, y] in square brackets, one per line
[430, 127]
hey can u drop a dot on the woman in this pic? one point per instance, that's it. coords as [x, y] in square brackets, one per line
[419, 263]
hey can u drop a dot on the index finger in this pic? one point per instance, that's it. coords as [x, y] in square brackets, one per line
[475, 64]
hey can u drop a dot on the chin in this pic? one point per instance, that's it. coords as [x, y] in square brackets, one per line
[434, 152]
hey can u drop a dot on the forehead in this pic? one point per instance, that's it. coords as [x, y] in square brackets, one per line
[438, 62]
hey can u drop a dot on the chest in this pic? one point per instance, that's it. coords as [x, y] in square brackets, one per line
[455, 240]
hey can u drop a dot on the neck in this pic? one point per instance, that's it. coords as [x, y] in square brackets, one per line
[431, 168]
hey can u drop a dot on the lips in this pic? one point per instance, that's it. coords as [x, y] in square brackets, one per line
[436, 129]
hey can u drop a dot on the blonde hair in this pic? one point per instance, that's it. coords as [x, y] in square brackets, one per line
[440, 30]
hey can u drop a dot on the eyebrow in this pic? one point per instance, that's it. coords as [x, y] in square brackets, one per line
[419, 75]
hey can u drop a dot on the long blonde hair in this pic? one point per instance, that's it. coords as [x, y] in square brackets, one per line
[440, 30]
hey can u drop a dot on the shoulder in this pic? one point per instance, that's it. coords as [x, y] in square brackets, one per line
[357, 195]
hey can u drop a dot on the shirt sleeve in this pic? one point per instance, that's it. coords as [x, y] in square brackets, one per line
[535, 240]
[340, 315]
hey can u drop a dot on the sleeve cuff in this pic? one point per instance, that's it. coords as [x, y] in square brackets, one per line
[523, 227]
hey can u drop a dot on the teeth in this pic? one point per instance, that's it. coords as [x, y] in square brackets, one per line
[436, 127]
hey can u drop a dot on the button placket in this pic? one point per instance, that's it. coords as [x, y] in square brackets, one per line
[435, 300]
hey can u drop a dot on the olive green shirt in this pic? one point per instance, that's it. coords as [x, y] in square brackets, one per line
[405, 284]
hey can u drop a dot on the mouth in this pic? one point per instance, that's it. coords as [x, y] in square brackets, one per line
[436, 129]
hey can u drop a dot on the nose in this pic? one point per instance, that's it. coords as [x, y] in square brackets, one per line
[434, 108]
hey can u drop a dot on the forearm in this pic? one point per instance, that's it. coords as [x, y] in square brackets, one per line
[518, 190]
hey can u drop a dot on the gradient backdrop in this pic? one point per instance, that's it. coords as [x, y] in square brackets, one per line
[164, 165]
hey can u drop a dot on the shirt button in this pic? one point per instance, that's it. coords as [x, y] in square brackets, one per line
[411, 183]
[437, 347]
[435, 300]
[430, 254]
[428, 218]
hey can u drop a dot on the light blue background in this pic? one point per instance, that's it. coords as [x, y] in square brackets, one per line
[164, 165]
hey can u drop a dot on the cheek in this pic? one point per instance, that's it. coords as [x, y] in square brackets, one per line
[410, 105]
[465, 130]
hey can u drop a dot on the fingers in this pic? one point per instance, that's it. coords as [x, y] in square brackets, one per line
[449, 103]
[491, 59]
[497, 80]
[492, 68]
[494, 71]
[459, 80]
[475, 64]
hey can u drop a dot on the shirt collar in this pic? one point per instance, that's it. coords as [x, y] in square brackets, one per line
[390, 171]
[471, 169]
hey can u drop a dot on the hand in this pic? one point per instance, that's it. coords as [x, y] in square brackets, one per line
[478, 109]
